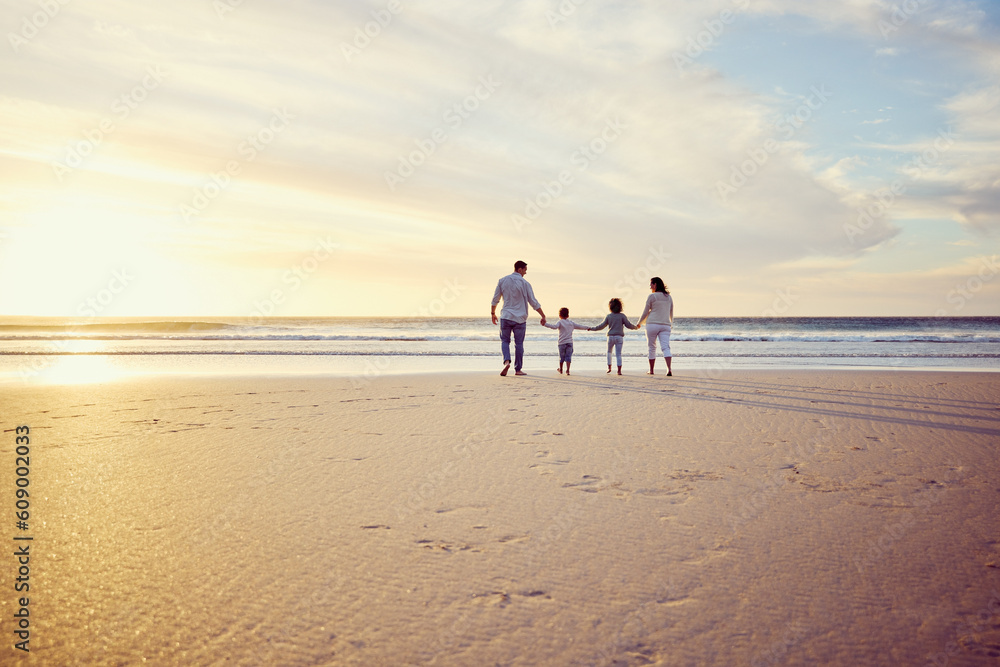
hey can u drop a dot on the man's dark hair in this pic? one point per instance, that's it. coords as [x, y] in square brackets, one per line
[520, 265]
[564, 312]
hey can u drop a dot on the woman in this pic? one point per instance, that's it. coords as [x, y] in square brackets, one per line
[660, 312]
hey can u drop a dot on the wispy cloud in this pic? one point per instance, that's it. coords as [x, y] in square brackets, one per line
[407, 95]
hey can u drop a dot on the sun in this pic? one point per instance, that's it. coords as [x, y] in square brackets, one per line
[71, 252]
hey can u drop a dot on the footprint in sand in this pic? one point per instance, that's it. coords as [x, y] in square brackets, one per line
[492, 598]
[554, 462]
[547, 462]
[503, 598]
[657, 492]
[447, 547]
[696, 475]
[446, 510]
[596, 484]
[588, 482]
[680, 492]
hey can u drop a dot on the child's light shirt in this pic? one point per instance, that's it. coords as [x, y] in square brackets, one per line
[565, 328]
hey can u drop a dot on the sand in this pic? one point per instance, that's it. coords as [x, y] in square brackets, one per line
[754, 517]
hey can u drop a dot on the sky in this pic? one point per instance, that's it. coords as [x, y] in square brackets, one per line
[394, 158]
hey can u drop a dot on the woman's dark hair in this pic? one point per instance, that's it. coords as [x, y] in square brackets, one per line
[658, 282]
[615, 305]
[564, 312]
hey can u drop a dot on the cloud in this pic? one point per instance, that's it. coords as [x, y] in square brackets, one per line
[816, 263]
[587, 118]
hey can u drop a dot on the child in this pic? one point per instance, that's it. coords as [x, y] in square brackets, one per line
[565, 328]
[615, 322]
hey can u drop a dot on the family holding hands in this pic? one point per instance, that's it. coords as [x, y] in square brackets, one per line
[517, 295]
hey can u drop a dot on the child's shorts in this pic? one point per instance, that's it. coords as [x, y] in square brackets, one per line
[566, 352]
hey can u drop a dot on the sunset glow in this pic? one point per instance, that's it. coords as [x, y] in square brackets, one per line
[355, 158]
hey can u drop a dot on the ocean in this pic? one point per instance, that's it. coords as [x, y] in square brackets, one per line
[59, 350]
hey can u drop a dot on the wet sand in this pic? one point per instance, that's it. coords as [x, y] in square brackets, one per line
[745, 517]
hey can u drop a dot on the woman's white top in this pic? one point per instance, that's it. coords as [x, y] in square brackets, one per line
[659, 308]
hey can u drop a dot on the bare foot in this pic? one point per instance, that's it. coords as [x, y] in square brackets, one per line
[650, 373]
[560, 371]
[567, 372]
[519, 373]
[619, 372]
[669, 373]
[609, 369]
[506, 367]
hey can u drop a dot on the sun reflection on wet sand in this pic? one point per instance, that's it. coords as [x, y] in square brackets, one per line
[82, 366]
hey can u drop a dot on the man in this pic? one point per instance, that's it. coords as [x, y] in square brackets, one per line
[517, 295]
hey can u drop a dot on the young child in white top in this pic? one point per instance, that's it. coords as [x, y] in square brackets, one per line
[565, 328]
